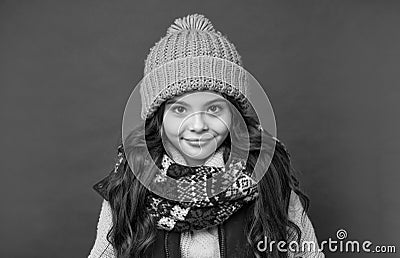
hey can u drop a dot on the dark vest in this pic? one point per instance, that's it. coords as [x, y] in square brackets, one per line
[231, 237]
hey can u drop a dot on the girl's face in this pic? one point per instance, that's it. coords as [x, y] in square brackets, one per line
[196, 124]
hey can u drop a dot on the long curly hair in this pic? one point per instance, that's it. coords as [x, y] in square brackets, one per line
[133, 230]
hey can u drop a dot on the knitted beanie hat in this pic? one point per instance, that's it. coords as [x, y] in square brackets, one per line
[191, 56]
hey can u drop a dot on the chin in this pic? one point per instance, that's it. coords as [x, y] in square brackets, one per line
[199, 153]
[193, 154]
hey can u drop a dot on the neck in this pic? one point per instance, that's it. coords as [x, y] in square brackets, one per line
[195, 162]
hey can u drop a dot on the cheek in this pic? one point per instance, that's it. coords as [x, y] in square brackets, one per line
[171, 126]
[223, 124]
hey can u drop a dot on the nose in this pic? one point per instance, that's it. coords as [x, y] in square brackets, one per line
[197, 123]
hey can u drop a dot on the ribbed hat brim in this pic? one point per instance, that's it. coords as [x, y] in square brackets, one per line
[187, 74]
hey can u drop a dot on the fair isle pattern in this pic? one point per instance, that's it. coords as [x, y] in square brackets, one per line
[191, 56]
[205, 185]
[120, 157]
[204, 210]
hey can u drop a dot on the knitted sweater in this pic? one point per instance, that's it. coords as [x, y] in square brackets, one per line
[202, 243]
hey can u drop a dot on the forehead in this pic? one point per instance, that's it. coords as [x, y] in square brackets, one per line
[198, 97]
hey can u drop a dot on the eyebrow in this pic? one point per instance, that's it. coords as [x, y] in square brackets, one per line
[171, 101]
[215, 100]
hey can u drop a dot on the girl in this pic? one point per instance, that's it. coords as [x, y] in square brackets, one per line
[182, 185]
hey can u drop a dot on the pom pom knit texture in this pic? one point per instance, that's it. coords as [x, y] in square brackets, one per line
[191, 56]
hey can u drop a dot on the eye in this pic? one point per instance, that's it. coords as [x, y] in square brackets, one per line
[214, 109]
[179, 109]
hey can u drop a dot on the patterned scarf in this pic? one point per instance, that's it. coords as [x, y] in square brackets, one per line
[204, 196]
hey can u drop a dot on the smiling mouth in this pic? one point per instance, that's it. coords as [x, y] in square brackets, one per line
[197, 141]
